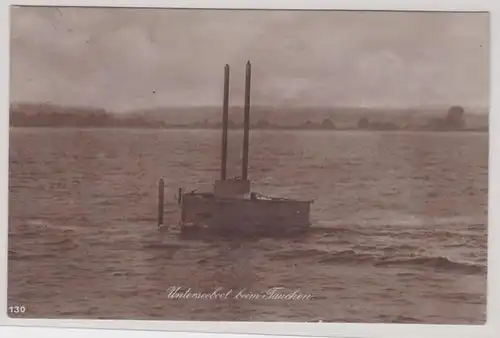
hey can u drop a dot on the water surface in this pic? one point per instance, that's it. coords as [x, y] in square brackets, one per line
[400, 221]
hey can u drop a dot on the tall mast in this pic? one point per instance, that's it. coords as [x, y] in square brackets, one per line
[246, 130]
[225, 118]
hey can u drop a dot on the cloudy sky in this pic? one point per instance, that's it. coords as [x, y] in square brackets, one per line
[122, 59]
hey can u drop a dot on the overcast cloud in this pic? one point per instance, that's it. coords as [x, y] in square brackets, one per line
[122, 59]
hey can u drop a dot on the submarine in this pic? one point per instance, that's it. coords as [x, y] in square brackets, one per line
[232, 207]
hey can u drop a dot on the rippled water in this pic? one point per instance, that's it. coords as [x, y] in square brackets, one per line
[399, 220]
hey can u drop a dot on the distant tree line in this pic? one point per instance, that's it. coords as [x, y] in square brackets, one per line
[326, 124]
[453, 120]
[48, 115]
[45, 115]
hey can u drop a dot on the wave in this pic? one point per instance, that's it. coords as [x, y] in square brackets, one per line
[440, 263]
[17, 256]
[348, 256]
[292, 254]
[162, 246]
[333, 231]
[397, 319]
[394, 220]
[351, 257]
[60, 241]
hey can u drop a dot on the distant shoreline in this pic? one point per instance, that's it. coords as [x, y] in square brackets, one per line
[470, 130]
[53, 116]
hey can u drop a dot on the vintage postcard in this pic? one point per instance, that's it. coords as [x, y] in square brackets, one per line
[248, 165]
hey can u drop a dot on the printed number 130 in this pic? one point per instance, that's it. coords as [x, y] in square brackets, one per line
[17, 309]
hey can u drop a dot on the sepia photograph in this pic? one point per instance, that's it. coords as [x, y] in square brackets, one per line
[318, 166]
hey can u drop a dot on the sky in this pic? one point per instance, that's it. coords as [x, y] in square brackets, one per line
[126, 59]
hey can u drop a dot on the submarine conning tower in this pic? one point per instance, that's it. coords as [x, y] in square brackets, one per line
[239, 187]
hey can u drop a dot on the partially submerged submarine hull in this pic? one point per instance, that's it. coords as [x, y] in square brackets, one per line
[243, 216]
